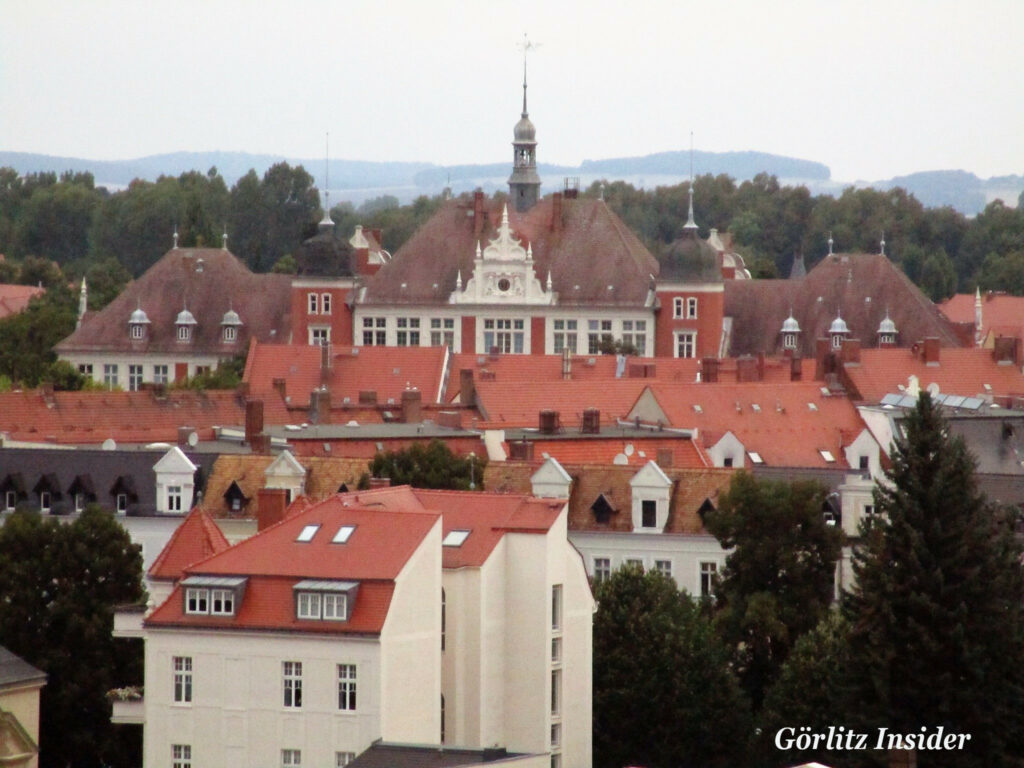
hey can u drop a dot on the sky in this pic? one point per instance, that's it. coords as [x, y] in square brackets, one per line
[871, 88]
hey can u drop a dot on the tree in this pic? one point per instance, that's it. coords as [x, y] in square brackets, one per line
[430, 466]
[27, 338]
[936, 617]
[664, 696]
[61, 583]
[778, 583]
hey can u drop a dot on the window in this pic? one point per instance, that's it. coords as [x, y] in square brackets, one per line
[182, 679]
[707, 579]
[184, 332]
[174, 498]
[556, 692]
[309, 605]
[408, 334]
[347, 687]
[649, 513]
[504, 335]
[160, 374]
[556, 735]
[343, 534]
[122, 503]
[308, 532]
[691, 307]
[230, 333]
[602, 569]
[110, 375]
[837, 340]
[222, 602]
[869, 510]
[565, 336]
[556, 607]
[455, 538]
[197, 600]
[202, 370]
[727, 461]
[442, 331]
[556, 760]
[341, 759]
[329, 606]
[44, 501]
[319, 337]
[863, 463]
[598, 331]
[663, 567]
[556, 650]
[442, 718]
[291, 758]
[313, 303]
[138, 331]
[79, 502]
[633, 562]
[635, 332]
[325, 304]
[375, 331]
[789, 341]
[85, 369]
[677, 307]
[181, 755]
[10, 500]
[292, 686]
[686, 345]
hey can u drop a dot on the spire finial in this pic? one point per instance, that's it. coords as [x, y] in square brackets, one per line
[883, 243]
[224, 238]
[175, 236]
[327, 221]
[458, 281]
[527, 46]
[830, 242]
[549, 281]
[83, 302]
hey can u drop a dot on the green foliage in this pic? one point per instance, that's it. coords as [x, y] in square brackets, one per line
[936, 627]
[27, 338]
[1003, 273]
[64, 377]
[430, 466]
[938, 276]
[664, 695]
[60, 584]
[286, 265]
[778, 582]
[227, 375]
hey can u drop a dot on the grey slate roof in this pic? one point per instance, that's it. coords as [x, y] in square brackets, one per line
[383, 755]
[14, 670]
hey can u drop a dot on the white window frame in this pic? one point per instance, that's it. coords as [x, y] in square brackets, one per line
[507, 334]
[137, 331]
[691, 307]
[602, 569]
[375, 331]
[312, 304]
[707, 570]
[222, 602]
[230, 333]
[652, 505]
[334, 606]
[598, 332]
[291, 674]
[347, 681]
[341, 759]
[308, 605]
[175, 498]
[45, 501]
[291, 758]
[319, 335]
[664, 567]
[677, 307]
[121, 503]
[181, 756]
[134, 377]
[184, 332]
[556, 607]
[10, 500]
[182, 674]
[565, 335]
[685, 341]
[325, 303]
[442, 331]
[161, 374]
[110, 371]
[197, 601]
[789, 341]
[79, 502]
[556, 692]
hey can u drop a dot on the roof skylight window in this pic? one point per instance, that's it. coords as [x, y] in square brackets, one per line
[343, 533]
[827, 456]
[755, 457]
[308, 532]
[455, 538]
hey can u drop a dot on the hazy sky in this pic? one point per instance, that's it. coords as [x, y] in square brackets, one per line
[871, 88]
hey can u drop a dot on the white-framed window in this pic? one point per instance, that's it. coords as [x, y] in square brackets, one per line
[663, 567]
[230, 333]
[134, 378]
[677, 307]
[110, 375]
[566, 336]
[556, 607]
[184, 332]
[292, 673]
[319, 336]
[556, 735]
[328, 606]
[85, 369]
[291, 758]
[442, 331]
[161, 374]
[556, 760]
[308, 605]
[181, 756]
[174, 498]
[602, 569]
[79, 502]
[138, 331]
[708, 570]
[375, 331]
[197, 600]
[632, 562]
[182, 666]
[837, 340]
[334, 606]
[635, 332]
[598, 331]
[648, 513]
[122, 503]
[691, 307]
[341, 759]
[686, 345]
[408, 333]
[505, 335]
[202, 370]
[10, 500]
[556, 650]
[325, 303]
[347, 687]
[789, 341]
[45, 501]
[556, 692]
[313, 304]
[222, 602]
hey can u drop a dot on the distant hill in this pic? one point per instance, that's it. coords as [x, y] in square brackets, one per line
[358, 180]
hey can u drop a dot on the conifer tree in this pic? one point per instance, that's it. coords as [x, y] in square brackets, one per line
[936, 636]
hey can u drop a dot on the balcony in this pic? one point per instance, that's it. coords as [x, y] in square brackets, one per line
[128, 706]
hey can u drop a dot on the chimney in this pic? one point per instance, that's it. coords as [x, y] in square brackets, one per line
[1004, 349]
[242, 393]
[566, 363]
[380, 482]
[760, 366]
[271, 506]
[467, 388]
[591, 421]
[253, 419]
[320, 406]
[796, 369]
[412, 405]
[556, 212]
[280, 387]
[931, 351]
[478, 214]
[821, 361]
[367, 397]
[520, 450]
[746, 369]
[449, 419]
[851, 350]
[548, 422]
[709, 370]
[260, 444]
[325, 364]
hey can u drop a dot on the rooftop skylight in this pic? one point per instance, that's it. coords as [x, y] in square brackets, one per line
[827, 456]
[455, 538]
[308, 532]
[755, 457]
[343, 533]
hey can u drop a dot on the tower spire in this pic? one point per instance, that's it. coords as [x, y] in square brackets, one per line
[691, 224]
[524, 183]
[327, 222]
[526, 47]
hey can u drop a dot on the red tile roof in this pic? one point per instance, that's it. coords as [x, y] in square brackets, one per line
[518, 403]
[127, 417]
[537, 368]
[388, 371]
[959, 372]
[998, 311]
[14, 298]
[637, 451]
[197, 538]
[784, 429]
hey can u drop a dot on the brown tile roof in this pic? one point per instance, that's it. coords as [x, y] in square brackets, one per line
[843, 283]
[14, 298]
[591, 250]
[195, 539]
[263, 302]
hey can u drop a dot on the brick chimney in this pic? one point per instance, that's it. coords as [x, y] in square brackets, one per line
[253, 419]
[1006, 349]
[746, 369]
[325, 364]
[320, 406]
[183, 435]
[931, 351]
[796, 369]
[822, 352]
[851, 350]
[467, 388]
[709, 370]
[556, 212]
[380, 482]
[412, 406]
[479, 213]
[271, 506]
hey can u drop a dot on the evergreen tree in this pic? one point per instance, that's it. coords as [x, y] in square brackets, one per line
[936, 628]
[430, 466]
[664, 696]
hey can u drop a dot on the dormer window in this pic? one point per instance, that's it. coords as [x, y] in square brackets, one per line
[324, 600]
[230, 334]
[184, 324]
[137, 324]
[138, 331]
[213, 595]
[789, 341]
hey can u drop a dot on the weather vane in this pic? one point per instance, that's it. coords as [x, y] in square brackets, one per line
[527, 45]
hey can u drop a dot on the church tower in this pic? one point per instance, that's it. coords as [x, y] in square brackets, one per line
[524, 183]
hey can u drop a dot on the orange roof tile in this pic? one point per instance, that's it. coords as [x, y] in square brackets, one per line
[958, 372]
[15, 298]
[537, 368]
[518, 403]
[195, 539]
[636, 451]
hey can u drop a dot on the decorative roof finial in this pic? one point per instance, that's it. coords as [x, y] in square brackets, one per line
[224, 238]
[327, 221]
[830, 242]
[883, 243]
[600, 195]
[549, 281]
[458, 281]
[83, 302]
[175, 236]
[691, 224]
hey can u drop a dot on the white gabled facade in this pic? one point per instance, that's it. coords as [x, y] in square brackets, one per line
[175, 482]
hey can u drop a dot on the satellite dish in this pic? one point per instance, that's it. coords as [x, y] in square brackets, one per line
[620, 460]
[109, 444]
[933, 389]
[193, 439]
[628, 450]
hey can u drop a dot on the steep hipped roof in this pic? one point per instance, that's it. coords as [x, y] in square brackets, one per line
[263, 303]
[197, 538]
[324, 255]
[590, 250]
[860, 287]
